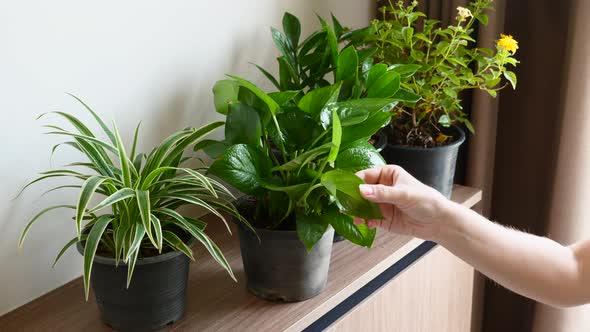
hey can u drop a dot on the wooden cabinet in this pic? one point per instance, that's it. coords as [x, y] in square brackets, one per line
[400, 284]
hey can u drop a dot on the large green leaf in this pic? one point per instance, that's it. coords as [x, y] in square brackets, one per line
[90, 248]
[344, 225]
[244, 167]
[88, 189]
[272, 105]
[284, 97]
[358, 156]
[375, 73]
[298, 130]
[292, 28]
[243, 125]
[336, 138]
[314, 101]
[405, 70]
[224, 93]
[344, 187]
[310, 229]
[284, 46]
[406, 96]
[355, 111]
[385, 86]
[348, 62]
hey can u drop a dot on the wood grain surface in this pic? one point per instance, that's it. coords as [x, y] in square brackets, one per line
[216, 303]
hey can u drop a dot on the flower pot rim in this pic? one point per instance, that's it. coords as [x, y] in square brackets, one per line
[457, 142]
[140, 261]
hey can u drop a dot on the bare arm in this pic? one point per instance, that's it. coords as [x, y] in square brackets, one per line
[530, 265]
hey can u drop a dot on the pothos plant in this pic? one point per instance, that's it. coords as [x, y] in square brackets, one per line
[297, 150]
[447, 62]
[137, 216]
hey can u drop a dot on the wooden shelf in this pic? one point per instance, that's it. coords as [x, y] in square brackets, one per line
[216, 303]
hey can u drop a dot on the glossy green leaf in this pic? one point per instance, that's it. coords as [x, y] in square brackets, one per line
[268, 75]
[243, 125]
[314, 101]
[347, 66]
[344, 225]
[385, 86]
[375, 73]
[336, 138]
[244, 167]
[310, 229]
[90, 248]
[270, 103]
[405, 70]
[225, 92]
[359, 156]
[284, 46]
[292, 28]
[291, 123]
[406, 96]
[344, 187]
[284, 97]
[511, 77]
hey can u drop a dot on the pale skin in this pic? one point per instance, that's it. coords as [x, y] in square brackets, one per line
[533, 266]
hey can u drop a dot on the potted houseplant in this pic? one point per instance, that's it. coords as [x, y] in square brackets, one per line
[135, 230]
[294, 152]
[424, 136]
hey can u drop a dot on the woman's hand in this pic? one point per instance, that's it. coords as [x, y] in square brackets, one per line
[408, 206]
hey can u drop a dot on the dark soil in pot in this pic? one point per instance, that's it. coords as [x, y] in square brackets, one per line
[434, 166]
[278, 267]
[155, 298]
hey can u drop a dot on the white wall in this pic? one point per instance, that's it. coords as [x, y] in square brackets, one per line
[154, 61]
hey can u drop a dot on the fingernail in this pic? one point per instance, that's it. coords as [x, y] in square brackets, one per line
[366, 190]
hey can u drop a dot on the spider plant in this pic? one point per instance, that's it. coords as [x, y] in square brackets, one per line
[141, 192]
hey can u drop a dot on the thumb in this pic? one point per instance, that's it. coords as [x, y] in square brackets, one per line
[379, 193]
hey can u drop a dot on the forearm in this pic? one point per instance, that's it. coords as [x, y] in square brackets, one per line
[532, 266]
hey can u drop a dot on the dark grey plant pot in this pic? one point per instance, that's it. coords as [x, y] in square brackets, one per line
[156, 296]
[434, 167]
[278, 267]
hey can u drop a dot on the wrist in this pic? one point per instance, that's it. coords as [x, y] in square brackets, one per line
[450, 221]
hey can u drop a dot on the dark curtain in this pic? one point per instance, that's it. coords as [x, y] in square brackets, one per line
[513, 155]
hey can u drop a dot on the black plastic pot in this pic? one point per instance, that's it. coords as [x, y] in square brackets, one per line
[434, 167]
[278, 267]
[156, 296]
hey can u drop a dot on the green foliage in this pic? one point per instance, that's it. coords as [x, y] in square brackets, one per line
[142, 191]
[313, 132]
[435, 63]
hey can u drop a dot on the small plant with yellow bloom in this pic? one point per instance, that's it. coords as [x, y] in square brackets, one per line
[438, 63]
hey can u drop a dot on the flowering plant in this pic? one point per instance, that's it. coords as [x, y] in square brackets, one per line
[445, 62]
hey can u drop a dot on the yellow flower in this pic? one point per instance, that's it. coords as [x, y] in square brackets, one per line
[508, 43]
[464, 12]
